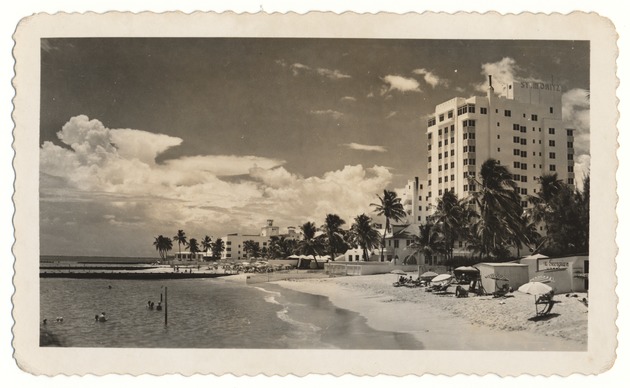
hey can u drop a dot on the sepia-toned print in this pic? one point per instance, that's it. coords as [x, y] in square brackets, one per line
[280, 191]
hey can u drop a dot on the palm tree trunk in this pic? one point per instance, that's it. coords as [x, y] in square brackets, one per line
[383, 239]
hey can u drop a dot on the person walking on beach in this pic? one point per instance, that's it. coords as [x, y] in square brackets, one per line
[159, 306]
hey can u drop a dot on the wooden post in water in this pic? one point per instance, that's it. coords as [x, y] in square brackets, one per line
[165, 306]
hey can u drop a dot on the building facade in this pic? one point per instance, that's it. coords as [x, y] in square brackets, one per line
[523, 131]
[234, 242]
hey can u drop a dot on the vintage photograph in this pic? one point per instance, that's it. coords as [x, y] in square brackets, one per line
[285, 194]
[314, 193]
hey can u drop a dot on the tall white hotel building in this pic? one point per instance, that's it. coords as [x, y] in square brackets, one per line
[523, 131]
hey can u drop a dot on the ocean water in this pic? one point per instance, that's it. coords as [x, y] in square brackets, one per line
[202, 313]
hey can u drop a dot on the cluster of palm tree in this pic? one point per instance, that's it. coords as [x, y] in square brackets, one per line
[164, 244]
[492, 220]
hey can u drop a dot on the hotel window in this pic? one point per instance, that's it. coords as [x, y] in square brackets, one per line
[517, 152]
[516, 177]
[466, 186]
[524, 191]
[439, 132]
[429, 147]
[552, 155]
[552, 167]
[429, 170]
[439, 168]
[498, 149]
[446, 141]
[498, 124]
[498, 136]
[429, 182]
[446, 166]
[229, 243]
[431, 122]
[496, 111]
[452, 164]
[452, 139]
[569, 132]
[440, 180]
[569, 144]
[551, 109]
[465, 162]
[453, 128]
[524, 129]
[508, 113]
[523, 166]
[471, 108]
[471, 136]
[516, 127]
[441, 118]
[446, 178]
[483, 111]
[452, 152]
[552, 143]
[472, 187]
[445, 154]
[524, 141]
[452, 177]
[440, 192]
[450, 114]
[570, 156]
[228, 249]
[523, 154]
[465, 136]
[517, 139]
[430, 135]
[570, 181]
[570, 168]
[552, 131]
[524, 115]
[524, 178]
[517, 164]
[534, 117]
[440, 143]
[396, 243]
[471, 162]
[524, 204]
[429, 159]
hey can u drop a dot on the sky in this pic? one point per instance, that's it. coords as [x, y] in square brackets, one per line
[142, 137]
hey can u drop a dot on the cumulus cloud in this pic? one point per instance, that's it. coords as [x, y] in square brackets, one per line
[299, 68]
[503, 73]
[576, 114]
[364, 147]
[102, 183]
[431, 78]
[402, 84]
[328, 112]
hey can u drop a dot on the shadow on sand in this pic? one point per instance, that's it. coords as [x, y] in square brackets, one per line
[544, 317]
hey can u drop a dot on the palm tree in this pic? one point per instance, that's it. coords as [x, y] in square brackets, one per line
[364, 235]
[550, 186]
[193, 246]
[217, 248]
[451, 218]
[180, 237]
[251, 248]
[163, 245]
[390, 207]
[334, 233]
[280, 247]
[310, 244]
[426, 242]
[206, 244]
[499, 220]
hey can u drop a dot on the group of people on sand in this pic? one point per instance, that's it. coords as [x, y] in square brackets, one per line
[189, 270]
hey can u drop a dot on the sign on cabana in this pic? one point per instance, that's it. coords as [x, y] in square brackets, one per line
[546, 264]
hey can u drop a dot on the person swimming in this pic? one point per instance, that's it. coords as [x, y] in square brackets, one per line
[159, 306]
[102, 318]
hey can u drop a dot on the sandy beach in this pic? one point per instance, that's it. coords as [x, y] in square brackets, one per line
[446, 322]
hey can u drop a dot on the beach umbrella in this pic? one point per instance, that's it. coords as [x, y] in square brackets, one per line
[534, 288]
[442, 278]
[466, 269]
[495, 276]
[428, 275]
[541, 279]
[398, 272]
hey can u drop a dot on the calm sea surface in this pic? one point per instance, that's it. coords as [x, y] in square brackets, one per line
[203, 313]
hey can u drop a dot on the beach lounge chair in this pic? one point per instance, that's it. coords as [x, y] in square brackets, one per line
[441, 288]
[501, 291]
[546, 303]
